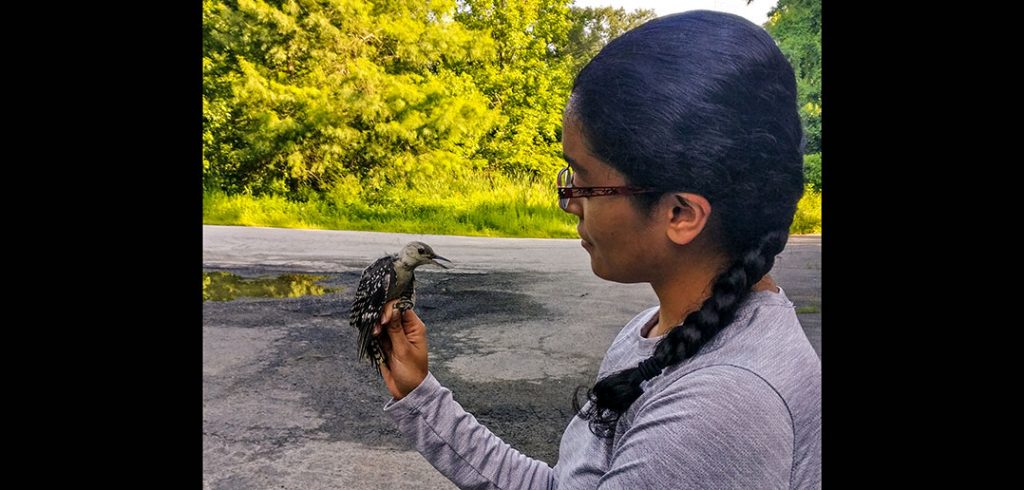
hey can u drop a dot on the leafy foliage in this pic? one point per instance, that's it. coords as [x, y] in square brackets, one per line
[593, 27]
[796, 26]
[808, 213]
[812, 171]
[300, 96]
[366, 111]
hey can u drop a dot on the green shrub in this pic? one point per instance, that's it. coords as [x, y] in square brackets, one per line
[812, 171]
[808, 213]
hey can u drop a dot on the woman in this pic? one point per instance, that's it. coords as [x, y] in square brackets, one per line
[684, 169]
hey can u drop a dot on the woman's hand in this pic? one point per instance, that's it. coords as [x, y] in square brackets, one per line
[405, 346]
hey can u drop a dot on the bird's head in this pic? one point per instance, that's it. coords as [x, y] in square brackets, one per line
[419, 253]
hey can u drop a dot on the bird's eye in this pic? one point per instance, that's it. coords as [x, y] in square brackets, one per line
[423, 251]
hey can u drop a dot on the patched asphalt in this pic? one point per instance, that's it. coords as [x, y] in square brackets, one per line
[513, 328]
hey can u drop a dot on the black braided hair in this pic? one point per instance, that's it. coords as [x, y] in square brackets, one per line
[612, 395]
[702, 101]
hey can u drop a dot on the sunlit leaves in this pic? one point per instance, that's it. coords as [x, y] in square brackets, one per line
[305, 96]
[796, 26]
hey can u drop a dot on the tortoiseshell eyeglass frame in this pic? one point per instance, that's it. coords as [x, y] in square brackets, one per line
[567, 191]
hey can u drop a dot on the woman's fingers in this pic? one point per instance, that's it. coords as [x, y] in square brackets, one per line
[404, 347]
[396, 334]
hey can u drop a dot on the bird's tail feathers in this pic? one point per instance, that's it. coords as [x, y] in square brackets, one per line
[369, 349]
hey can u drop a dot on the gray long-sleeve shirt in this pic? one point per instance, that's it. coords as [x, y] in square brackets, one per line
[744, 413]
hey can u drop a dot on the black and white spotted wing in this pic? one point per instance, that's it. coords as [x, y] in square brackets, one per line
[374, 284]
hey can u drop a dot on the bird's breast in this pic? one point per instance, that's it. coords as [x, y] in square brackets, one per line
[402, 278]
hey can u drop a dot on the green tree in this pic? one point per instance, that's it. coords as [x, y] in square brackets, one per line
[528, 80]
[796, 27]
[301, 95]
[593, 27]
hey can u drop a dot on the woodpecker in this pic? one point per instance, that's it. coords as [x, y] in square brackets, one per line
[387, 278]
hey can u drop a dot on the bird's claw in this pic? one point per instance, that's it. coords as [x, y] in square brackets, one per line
[403, 305]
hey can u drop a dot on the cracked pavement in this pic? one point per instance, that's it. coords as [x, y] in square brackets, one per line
[514, 327]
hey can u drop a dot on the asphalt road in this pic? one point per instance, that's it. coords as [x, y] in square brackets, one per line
[513, 327]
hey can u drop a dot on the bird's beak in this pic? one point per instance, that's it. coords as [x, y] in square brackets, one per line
[435, 259]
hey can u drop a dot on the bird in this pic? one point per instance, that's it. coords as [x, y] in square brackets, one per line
[387, 278]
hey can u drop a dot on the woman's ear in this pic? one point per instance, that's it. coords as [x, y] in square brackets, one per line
[689, 216]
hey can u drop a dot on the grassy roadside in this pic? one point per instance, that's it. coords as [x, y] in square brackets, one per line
[496, 206]
[503, 208]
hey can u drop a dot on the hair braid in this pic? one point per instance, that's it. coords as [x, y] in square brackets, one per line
[612, 395]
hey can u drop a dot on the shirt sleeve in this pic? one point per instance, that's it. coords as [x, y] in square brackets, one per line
[717, 427]
[462, 449]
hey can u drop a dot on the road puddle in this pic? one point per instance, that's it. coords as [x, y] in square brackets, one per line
[225, 286]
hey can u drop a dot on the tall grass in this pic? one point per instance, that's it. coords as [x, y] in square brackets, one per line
[494, 206]
[490, 206]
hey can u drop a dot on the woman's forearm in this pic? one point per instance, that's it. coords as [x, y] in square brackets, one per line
[462, 449]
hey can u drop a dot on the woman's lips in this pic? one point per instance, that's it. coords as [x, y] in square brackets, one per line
[583, 241]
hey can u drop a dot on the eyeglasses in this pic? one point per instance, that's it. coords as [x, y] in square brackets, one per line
[566, 190]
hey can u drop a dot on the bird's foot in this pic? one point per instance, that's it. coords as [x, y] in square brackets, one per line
[403, 305]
